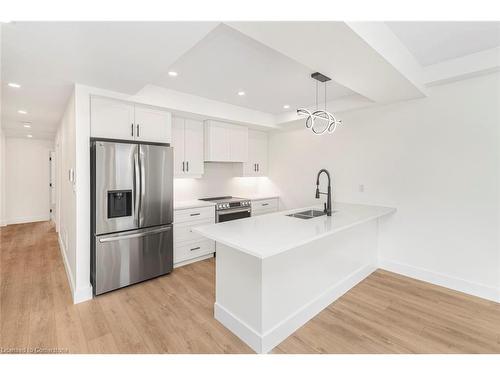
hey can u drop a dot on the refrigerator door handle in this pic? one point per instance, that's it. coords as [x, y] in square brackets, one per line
[137, 184]
[142, 193]
[134, 235]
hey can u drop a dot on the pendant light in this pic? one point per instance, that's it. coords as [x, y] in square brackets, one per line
[319, 121]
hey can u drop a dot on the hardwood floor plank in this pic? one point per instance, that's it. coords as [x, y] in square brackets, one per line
[385, 313]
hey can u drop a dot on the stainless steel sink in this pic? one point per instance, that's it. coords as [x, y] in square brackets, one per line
[309, 214]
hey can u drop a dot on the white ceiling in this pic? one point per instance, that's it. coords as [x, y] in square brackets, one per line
[226, 61]
[46, 58]
[434, 42]
[270, 61]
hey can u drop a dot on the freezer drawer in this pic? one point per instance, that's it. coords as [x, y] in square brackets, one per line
[129, 257]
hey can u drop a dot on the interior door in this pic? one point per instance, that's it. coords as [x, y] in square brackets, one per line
[116, 173]
[152, 125]
[156, 198]
[52, 184]
[193, 136]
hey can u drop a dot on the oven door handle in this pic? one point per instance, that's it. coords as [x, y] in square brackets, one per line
[234, 210]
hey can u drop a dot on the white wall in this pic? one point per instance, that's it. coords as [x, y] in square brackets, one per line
[66, 195]
[2, 175]
[435, 159]
[27, 180]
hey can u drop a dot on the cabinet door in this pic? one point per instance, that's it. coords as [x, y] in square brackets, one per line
[193, 146]
[111, 119]
[238, 143]
[260, 145]
[217, 141]
[256, 164]
[152, 125]
[178, 145]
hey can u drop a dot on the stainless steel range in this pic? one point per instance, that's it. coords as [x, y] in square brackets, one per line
[230, 208]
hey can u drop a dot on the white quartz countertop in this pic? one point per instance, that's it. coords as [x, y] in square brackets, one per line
[194, 203]
[268, 235]
[260, 197]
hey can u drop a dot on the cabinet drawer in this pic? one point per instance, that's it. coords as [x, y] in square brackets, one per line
[263, 212]
[192, 214]
[183, 231]
[265, 204]
[193, 250]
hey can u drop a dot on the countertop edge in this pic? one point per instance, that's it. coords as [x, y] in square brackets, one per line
[389, 210]
[184, 205]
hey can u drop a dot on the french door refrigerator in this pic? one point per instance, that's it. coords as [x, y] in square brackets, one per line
[132, 213]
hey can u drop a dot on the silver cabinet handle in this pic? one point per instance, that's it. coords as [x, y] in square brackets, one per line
[258, 167]
[195, 248]
[265, 204]
[187, 166]
[132, 129]
[138, 130]
[134, 235]
[196, 214]
[183, 167]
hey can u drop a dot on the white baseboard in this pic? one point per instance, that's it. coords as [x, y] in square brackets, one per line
[450, 282]
[66, 265]
[26, 219]
[81, 294]
[263, 343]
[246, 333]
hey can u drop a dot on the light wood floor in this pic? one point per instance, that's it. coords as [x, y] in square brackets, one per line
[386, 313]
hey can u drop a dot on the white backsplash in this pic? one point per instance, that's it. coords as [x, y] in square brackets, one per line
[220, 179]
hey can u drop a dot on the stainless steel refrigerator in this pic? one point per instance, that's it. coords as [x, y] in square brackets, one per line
[132, 213]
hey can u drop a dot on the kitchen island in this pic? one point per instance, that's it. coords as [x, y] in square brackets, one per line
[275, 272]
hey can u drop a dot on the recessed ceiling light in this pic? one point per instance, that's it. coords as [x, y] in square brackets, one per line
[241, 93]
[22, 112]
[286, 106]
[26, 125]
[29, 136]
[172, 74]
[14, 85]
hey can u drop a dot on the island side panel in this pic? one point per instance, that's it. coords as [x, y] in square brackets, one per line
[238, 294]
[299, 283]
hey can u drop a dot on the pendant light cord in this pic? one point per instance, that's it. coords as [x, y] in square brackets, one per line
[316, 95]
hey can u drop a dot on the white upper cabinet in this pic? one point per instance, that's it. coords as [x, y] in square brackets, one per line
[187, 140]
[256, 165]
[152, 125]
[115, 119]
[111, 119]
[225, 142]
[178, 145]
[193, 146]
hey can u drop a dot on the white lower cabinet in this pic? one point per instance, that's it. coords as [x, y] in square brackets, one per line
[188, 246]
[265, 206]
